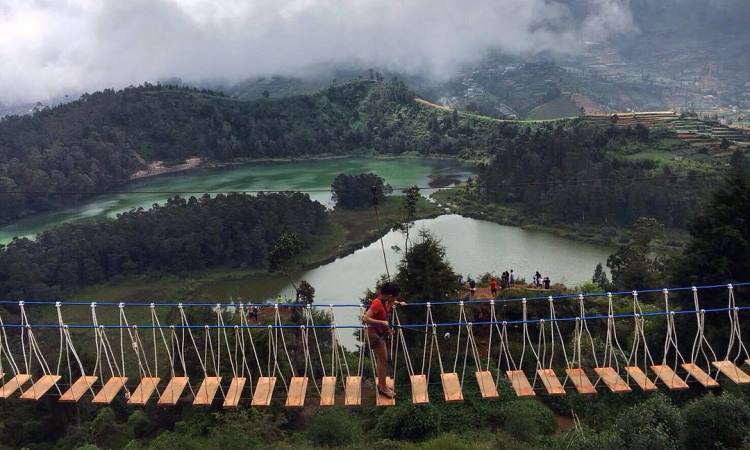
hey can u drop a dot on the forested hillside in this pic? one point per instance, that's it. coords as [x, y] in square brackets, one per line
[579, 174]
[185, 234]
[98, 141]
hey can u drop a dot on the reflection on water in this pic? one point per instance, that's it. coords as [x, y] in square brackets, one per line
[472, 246]
[303, 175]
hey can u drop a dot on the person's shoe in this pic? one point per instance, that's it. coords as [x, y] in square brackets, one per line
[388, 392]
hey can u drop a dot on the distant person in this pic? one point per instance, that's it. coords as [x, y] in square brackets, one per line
[472, 287]
[252, 314]
[460, 279]
[379, 329]
[546, 282]
[537, 279]
[493, 287]
[512, 277]
[504, 280]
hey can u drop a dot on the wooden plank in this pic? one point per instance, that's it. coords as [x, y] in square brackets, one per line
[110, 390]
[382, 400]
[263, 391]
[732, 372]
[486, 384]
[42, 385]
[612, 380]
[328, 391]
[78, 389]
[520, 383]
[550, 381]
[297, 389]
[172, 393]
[207, 391]
[353, 391]
[452, 388]
[234, 393]
[419, 389]
[640, 378]
[700, 376]
[144, 391]
[14, 384]
[580, 381]
[669, 378]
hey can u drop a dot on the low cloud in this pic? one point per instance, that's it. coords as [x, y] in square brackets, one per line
[52, 47]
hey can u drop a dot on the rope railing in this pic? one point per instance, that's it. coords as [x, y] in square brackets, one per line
[296, 351]
[272, 303]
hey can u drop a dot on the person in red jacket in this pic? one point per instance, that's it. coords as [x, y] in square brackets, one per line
[493, 287]
[379, 329]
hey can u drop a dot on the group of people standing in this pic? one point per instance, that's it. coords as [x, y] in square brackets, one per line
[539, 281]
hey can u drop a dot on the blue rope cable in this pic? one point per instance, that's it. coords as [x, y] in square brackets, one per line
[407, 326]
[270, 303]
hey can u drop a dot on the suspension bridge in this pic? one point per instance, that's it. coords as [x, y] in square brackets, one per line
[234, 355]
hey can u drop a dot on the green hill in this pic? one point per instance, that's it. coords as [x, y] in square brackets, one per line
[97, 142]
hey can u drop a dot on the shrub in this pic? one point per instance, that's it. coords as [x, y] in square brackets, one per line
[527, 419]
[716, 422]
[140, 424]
[333, 427]
[445, 442]
[412, 422]
[653, 424]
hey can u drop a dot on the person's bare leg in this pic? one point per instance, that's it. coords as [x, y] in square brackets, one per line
[381, 364]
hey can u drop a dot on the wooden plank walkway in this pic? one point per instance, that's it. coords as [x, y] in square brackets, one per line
[732, 372]
[419, 389]
[669, 378]
[14, 384]
[451, 387]
[612, 380]
[172, 393]
[263, 391]
[551, 382]
[520, 383]
[580, 381]
[297, 390]
[640, 378]
[234, 393]
[353, 391]
[700, 376]
[144, 391]
[111, 388]
[41, 387]
[382, 400]
[486, 384]
[328, 391]
[78, 389]
[207, 391]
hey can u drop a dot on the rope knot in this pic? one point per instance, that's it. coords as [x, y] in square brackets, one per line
[151, 305]
[93, 305]
[65, 327]
[429, 305]
[665, 291]
[179, 306]
[205, 327]
[57, 305]
[730, 287]
[21, 303]
[121, 305]
[694, 289]
[550, 299]
[635, 294]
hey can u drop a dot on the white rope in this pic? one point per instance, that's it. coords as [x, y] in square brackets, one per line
[362, 337]
[155, 321]
[638, 336]
[671, 334]
[504, 353]
[585, 326]
[5, 348]
[736, 332]
[458, 338]
[700, 342]
[186, 326]
[400, 337]
[555, 328]
[612, 347]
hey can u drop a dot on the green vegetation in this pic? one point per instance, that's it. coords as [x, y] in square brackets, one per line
[61, 155]
[183, 235]
[359, 191]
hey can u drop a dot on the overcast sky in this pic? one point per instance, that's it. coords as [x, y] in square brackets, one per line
[52, 47]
